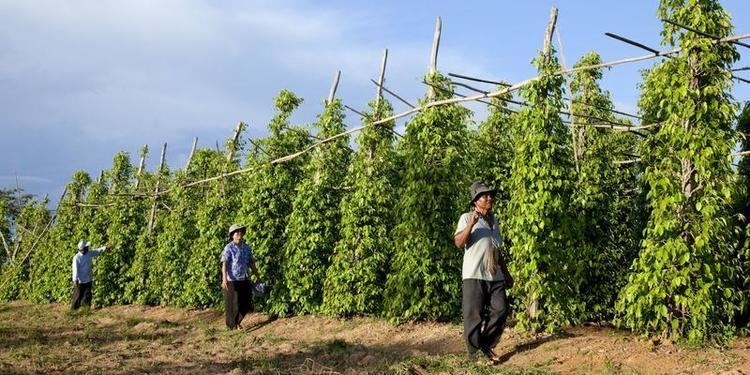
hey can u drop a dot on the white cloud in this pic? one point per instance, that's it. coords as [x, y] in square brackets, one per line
[11, 180]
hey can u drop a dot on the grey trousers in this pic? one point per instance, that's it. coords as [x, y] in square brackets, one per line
[81, 296]
[485, 309]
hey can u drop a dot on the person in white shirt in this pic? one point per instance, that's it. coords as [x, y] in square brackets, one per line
[82, 264]
[485, 274]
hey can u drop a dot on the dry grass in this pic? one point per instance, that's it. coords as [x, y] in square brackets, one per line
[136, 339]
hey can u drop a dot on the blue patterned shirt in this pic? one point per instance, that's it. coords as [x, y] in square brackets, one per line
[238, 258]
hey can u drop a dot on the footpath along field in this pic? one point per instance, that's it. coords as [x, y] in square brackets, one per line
[138, 339]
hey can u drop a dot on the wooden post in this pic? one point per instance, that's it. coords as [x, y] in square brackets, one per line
[144, 151]
[532, 308]
[235, 137]
[192, 153]
[381, 82]
[550, 31]
[574, 129]
[101, 177]
[334, 86]
[433, 56]
[152, 219]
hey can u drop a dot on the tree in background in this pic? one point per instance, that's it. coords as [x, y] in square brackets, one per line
[30, 225]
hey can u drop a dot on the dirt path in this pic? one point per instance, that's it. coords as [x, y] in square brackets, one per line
[136, 339]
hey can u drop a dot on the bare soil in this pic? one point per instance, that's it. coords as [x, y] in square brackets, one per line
[164, 340]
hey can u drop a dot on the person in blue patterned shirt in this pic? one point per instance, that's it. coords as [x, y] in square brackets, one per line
[235, 261]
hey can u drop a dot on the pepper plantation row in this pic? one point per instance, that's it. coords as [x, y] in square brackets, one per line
[646, 229]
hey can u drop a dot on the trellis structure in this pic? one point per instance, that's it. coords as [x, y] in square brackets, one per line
[434, 91]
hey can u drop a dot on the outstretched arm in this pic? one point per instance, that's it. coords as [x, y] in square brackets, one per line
[99, 250]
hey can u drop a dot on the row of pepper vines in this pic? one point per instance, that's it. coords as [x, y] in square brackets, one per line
[365, 228]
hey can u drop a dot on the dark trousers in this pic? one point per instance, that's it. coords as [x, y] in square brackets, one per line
[485, 309]
[81, 295]
[237, 302]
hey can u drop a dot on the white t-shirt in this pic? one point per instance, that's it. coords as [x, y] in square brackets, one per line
[484, 238]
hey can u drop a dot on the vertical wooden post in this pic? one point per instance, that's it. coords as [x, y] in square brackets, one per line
[152, 218]
[144, 151]
[433, 56]
[334, 86]
[532, 308]
[192, 153]
[381, 82]
[235, 137]
[550, 31]
[101, 177]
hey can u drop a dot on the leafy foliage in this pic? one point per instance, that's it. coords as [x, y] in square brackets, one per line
[31, 222]
[312, 230]
[50, 262]
[743, 210]
[213, 218]
[355, 280]
[683, 280]
[542, 229]
[607, 195]
[267, 198]
[426, 277]
[178, 232]
[125, 222]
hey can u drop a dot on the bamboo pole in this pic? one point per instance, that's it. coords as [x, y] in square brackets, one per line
[334, 86]
[235, 137]
[497, 83]
[633, 43]
[152, 218]
[360, 113]
[436, 87]
[701, 33]
[393, 94]
[192, 153]
[549, 32]
[141, 164]
[381, 81]
[432, 69]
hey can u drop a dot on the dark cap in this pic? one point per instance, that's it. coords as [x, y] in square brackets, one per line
[477, 189]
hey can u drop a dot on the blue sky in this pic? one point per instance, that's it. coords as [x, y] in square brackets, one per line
[81, 80]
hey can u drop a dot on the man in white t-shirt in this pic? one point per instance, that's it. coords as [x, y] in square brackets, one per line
[82, 265]
[484, 272]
